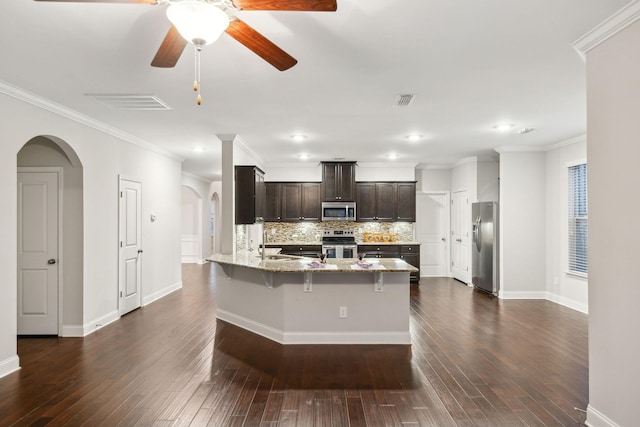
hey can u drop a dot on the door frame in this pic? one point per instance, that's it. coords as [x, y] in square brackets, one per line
[122, 178]
[60, 173]
[447, 225]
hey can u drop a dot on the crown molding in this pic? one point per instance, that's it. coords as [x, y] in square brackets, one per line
[465, 160]
[429, 166]
[196, 177]
[566, 142]
[609, 27]
[540, 148]
[519, 149]
[390, 164]
[67, 113]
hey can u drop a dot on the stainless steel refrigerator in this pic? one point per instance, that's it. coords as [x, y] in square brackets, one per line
[484, 265]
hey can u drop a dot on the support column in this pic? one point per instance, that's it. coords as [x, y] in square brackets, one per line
[227, 243]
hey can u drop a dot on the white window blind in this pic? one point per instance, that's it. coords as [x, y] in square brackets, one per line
[578, 220]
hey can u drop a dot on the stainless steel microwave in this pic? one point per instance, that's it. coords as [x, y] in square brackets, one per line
[338, 211]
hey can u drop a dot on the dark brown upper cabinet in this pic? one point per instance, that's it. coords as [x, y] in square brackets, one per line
[273, 202]
[339, 181]
[300, 201]
[406, 194]
[250, 194]
[386, 201]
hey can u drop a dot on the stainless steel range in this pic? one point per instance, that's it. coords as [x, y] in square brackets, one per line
[339, 244]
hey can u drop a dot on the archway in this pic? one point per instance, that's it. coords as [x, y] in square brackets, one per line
[45, 153]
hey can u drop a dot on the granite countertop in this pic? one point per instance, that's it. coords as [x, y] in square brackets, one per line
[289, 264]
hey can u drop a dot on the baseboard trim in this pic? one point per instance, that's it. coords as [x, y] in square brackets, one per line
[282, 337]
[100, 322]
[569, 303]
[161, 293]
[596, 418]
[9, 366]
[73, 330]
[522, 294]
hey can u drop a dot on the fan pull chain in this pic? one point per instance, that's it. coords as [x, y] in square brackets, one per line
[196, 82]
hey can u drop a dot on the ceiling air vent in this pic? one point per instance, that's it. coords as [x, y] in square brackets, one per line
[131, 102]
[403, 100]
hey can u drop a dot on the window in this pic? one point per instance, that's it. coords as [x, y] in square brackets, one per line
[578, 222]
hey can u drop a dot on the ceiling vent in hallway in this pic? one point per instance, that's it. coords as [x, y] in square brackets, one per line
[130, 102]
[403, 100]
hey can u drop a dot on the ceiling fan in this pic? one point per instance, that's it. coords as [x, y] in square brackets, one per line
[201, 22]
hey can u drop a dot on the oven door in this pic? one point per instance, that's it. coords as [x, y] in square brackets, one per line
[349, 251]
[332, 251]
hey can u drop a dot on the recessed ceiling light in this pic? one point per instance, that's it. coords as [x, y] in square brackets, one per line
[503, 127]
[298, 137]
[392, 156]
[525, 130]
[303, 156]
[198, 149]
[414, 137]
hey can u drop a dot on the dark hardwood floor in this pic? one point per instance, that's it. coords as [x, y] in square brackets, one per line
[475, 361]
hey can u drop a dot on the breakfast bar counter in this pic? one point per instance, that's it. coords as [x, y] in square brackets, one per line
[295, 300]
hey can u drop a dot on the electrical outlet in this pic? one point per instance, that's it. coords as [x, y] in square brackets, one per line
[343, 312]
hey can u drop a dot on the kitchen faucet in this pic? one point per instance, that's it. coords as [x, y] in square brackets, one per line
[264, 242]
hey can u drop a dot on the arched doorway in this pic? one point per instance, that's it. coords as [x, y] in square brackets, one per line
[40, 157]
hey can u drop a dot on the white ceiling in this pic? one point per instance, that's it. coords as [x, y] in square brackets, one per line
[471, 64]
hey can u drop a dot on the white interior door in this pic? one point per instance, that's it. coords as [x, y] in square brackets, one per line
[38, 264]
[460, 225]
[130, 245]
[432, 230]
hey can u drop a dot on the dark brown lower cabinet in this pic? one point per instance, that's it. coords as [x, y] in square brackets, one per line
[409, 253]
[311, 251]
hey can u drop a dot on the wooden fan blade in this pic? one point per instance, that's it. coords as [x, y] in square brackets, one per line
[299, 5]
[170, 50]
[260, 45]
[103, 1]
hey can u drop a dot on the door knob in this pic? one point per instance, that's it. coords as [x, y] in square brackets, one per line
[140, 251]
[51, 261]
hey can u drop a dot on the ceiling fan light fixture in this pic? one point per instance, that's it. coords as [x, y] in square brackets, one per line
[199, 23]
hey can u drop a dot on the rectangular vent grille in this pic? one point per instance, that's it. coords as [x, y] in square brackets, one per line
[131, 102]
[403, 100]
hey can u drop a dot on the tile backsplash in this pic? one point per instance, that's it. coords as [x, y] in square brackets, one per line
[311, 232]
[249, 236]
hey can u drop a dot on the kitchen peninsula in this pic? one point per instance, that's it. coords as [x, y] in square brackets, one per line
[296, 300]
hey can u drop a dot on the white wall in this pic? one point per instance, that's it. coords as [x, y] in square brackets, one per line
[522, 225]
[488, 185]
[464, 176]
[561, 287]
[366, 171]
[293, 172]
[433, 180]
[613, 151]
[104, 157]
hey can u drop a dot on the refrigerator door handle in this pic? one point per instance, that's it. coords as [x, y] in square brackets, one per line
[476, 233]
